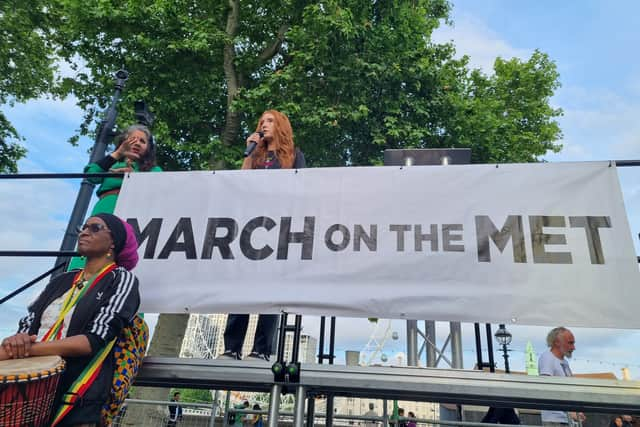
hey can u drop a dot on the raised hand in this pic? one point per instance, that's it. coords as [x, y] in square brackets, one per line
[129, 149]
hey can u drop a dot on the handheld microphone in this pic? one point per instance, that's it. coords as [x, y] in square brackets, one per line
[252, 145]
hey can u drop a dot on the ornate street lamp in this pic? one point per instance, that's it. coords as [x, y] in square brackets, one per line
[504, 338]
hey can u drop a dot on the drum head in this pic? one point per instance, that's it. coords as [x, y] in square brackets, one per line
[29, 365]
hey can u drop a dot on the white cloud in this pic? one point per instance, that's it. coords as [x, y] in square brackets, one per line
[34, 215]
[47, 125]
[571, 150]
[598, 124]
[39, 115]
[602, 122]
[483, 45]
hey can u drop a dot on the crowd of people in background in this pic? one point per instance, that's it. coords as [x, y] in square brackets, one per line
[622, 421]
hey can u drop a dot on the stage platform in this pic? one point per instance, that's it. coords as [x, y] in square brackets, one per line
[403, 383]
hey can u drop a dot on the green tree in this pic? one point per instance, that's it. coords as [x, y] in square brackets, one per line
[373, 81]
[361, 77]
[194, 395]
[188, 60]
[355, 77]
[26, 67]
[507, 116]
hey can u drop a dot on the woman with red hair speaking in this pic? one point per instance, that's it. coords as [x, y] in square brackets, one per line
[274, 150]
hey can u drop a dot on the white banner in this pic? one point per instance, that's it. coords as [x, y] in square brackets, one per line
[536, 244]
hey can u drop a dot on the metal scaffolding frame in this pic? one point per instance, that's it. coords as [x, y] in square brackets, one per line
[429, 346]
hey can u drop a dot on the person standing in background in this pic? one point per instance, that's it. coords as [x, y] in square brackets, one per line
[554, 362]
[175, 411]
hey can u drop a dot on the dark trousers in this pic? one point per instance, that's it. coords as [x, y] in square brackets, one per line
[236, 330]
[501, 416]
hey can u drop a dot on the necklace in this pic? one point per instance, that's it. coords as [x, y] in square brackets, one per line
[269, 159]
[82, 282]
[72, 298]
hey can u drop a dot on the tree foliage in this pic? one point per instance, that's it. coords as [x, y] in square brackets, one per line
[193, 395]
[26, 67]
[355, 77]
[507, 117]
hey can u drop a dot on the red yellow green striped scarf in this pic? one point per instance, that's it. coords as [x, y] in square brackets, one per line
[55, 332]
[91, 371]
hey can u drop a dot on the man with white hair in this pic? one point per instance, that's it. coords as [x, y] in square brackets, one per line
[553, 362]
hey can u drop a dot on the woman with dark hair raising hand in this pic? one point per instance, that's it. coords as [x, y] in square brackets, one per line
[135, 152]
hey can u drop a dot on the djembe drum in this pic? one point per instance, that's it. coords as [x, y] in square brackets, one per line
[27, 390]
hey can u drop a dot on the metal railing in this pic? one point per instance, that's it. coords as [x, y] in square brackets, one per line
[212, 415]
[404, 383]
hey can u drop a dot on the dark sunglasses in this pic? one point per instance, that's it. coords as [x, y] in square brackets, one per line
[93, 228]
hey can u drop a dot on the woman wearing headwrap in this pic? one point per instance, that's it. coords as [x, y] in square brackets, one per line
[80, 312]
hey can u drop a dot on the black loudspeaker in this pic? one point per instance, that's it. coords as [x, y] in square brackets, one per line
[427, 156]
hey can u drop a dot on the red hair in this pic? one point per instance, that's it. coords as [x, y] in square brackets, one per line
[282, 142]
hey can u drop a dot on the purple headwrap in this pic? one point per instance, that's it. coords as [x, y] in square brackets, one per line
[128, 256]
[124, 240]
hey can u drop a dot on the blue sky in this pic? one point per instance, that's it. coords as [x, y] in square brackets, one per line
[594, 45]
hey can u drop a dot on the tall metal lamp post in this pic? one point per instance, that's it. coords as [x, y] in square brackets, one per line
[504, 338]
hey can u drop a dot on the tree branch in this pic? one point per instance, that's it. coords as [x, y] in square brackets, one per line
[229, 66]
[272, 49]
[232, 118]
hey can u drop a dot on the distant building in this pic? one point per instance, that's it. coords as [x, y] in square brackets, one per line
[204, 339]
[352, 357]
[307, 351]
[531, 360]
[358, 406]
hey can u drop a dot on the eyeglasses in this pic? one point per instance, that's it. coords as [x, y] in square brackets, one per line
[93, 228]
